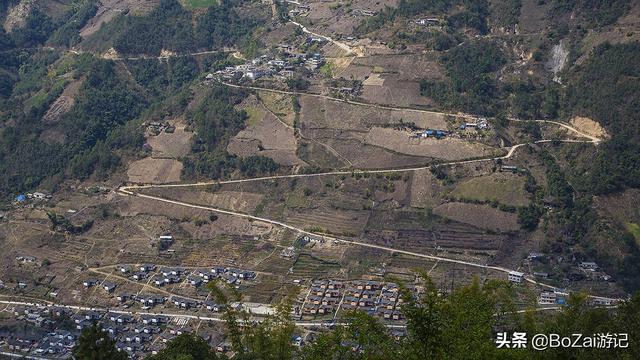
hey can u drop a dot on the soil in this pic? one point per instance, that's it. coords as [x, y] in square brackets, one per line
[171, 145]
[156, 171]
[481, 216]
[63, 104]
[447, 149]
[589, 127]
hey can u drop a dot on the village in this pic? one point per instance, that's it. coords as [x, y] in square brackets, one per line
[143, 322]
[282, 64]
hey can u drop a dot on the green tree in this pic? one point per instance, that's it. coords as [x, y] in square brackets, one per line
[186, 347]
[95, 344]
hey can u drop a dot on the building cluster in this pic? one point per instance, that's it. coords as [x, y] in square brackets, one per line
[323, 298]
[136, 335]
[429, 22]
[33, 197]
[25, 259]
[299, 10]
[363, 12]
[282, 66]
[374, 297]
[551, 298]
[431, 133]
[175, 275]
[478, 124]
[157, 127]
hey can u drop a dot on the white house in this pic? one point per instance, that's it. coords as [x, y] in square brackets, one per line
[515, 277]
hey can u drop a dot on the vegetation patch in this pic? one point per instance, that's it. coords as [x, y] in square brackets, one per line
[200, 3]
[310, 266]
[505, 189]
[634, 229]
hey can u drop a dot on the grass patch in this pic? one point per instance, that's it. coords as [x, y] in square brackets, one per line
[634, 229]
[278, 104]
[310, 266]
[503, 188]
[297, 200]
[200, 3]
[254, 116]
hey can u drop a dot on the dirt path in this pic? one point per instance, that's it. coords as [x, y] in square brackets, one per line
[129, 191]
[125, 191]
[349, 172]
[339, 44]
[397, 108]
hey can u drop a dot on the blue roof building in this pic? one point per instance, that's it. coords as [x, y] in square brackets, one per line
[21, 198]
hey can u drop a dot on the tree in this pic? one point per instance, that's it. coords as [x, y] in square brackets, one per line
[186, 347]
[95, 344]
[528, 217]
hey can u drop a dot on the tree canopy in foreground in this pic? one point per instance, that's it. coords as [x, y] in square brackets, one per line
[459, 325]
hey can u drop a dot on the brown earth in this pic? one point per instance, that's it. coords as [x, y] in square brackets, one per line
[63, 103]
[408, 67]
[332, 220]
[268, 137]
[589, 127]
[229, 200]
[446, 149]
[482, 216]
[111, 8]
[171, 145]
[156, 171]
[395, 92]
[330, 114]
[425, 189]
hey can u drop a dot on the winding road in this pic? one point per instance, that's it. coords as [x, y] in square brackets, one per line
[339, 44]
[131, 190]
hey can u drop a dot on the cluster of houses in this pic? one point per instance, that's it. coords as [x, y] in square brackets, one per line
[157, 127]
[282, 66]
[174, 275]
[108, 286]
[25, 259]
[323, 298]
[374, 297]
[58, 343]
[35, 197]
[428, 21]
[478, 124]
[299, 10]
[430, 133]
[229, 275]
[551, 298]
[363, 12]
[138, 336]
[169, 275]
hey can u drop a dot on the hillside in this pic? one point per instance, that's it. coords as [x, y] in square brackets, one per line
[282, 146]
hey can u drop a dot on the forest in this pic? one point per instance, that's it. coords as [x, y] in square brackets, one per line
[104, 122]
[216, 121]
[470, 85]
[171, 27]
[465, 13]
[607, 89]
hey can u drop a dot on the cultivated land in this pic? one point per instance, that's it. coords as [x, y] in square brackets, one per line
[505, 188]
[150, 170]
[375, 199]
[265, 135]
[171, 145]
